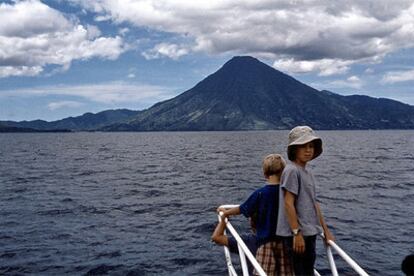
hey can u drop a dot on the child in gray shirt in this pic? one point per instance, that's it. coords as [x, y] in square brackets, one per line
[300, 218]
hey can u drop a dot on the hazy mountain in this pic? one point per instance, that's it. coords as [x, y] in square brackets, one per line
[87, 121]
[246, 94]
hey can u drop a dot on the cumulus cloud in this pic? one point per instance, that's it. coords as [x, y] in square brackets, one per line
[306, 35]
[107, 93]
[352, 82]
[398, 76]
[325, 67]
[33, 35]
[172, 51]
[7, 71]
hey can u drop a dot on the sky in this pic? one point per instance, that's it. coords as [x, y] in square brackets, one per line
[65, 58]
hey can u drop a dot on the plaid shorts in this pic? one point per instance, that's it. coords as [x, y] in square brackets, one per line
[275, 259]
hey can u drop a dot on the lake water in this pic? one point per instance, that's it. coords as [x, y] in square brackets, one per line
[143, 203]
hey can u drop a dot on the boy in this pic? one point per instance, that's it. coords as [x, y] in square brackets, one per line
[407, 266]
[300, 218]
[249, 239]
[271, 254]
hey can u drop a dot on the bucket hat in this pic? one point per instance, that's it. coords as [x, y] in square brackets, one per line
[301, 135]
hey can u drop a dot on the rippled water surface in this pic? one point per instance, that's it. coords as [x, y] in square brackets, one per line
[143, 203]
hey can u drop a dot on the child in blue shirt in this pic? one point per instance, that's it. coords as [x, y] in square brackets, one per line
[271, 254]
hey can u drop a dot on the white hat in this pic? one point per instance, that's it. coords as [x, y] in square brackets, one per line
[301, 135]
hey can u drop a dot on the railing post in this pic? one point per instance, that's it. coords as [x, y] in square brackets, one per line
[243, 261]
[331, 261]
[246, 250]
[230, 267]
[316, 273]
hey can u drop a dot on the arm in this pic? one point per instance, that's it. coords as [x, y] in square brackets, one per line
[327, 233]
[298, 241]
[229, 212]
[218, 235]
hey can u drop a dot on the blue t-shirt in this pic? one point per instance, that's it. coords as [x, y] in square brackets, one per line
[266, 202]
[251, 243]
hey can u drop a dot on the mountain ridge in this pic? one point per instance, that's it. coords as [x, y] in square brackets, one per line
[246, 94]
[84, 122]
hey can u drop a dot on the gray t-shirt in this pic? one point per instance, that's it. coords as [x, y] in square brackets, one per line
[300, 182]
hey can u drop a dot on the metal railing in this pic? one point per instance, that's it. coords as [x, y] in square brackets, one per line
[344, 256]
[245, 252]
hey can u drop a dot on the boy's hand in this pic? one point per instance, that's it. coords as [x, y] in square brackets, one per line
[221, 209]
[328, 236]
[298, 244]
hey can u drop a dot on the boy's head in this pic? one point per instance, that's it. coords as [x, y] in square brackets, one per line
[407, 265]
[299, 137]
[273, 164]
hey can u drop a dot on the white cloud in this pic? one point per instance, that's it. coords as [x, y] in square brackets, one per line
[33, 35]
[353, 82]
[398, 76]
[369, 71]
[123, 31]
[7, 71]
[172, 51]
[354, 79]
[328, 35]
[325, 67]
[107, 93]
[63, 104]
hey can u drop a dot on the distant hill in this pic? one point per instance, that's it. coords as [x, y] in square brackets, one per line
[15, 129]
[87, 121]
[24, 129]
[245, 94]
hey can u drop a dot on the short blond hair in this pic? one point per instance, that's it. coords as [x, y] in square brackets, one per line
[273, 164]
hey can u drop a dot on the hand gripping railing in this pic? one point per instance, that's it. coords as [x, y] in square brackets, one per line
[244, 251]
